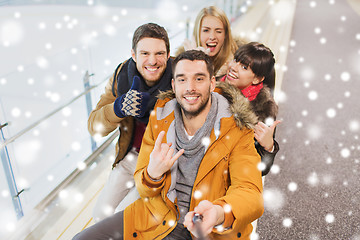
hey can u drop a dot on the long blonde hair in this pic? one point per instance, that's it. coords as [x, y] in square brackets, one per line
[229, 47]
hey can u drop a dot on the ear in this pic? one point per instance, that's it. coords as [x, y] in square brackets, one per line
[172, 85]
[133, 55]
[257, 80]
[212, 83]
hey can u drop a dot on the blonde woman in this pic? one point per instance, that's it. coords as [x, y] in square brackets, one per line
[212, 33]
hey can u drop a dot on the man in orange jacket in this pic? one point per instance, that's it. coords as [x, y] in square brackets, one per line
[197, 157]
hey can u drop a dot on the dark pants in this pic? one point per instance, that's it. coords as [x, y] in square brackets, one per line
[113, 228]
[109, 228]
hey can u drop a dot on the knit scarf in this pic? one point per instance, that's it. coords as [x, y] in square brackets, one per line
[252, 91]
[249, 92]
[125, 80]
[189, 162]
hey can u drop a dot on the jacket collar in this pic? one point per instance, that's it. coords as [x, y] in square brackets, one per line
[239, 106]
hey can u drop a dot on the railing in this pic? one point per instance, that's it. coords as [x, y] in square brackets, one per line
[38, 122]
[21, 140]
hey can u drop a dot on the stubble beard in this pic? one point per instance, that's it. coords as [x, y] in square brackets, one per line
[152, 80]
[195, 113]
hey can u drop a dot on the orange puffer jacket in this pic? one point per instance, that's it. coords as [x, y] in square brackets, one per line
[227, 173]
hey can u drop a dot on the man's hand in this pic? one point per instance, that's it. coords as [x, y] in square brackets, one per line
[133, 103]
[264, 134]
[161, 158]
[212, 215]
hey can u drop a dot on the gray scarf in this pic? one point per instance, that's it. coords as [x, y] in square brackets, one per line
[189, 162]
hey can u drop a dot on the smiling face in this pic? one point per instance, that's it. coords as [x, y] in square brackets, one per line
[151, 57]
[193, 85]
[241, 76]
[212, 34]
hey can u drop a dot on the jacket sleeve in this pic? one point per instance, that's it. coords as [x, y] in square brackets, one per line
[244, 195]
[145, 186]
[102, 120]
[267, 158]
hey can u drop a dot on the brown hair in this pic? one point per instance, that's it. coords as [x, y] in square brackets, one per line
[229, 45]
[150, 30]
[260, 59]
[194, 55]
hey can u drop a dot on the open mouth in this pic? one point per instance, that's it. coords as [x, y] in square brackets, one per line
[191, 99]
[231, 76]
[152, 69]
[211, 46]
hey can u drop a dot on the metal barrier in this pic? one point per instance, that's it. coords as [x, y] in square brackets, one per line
[15, 193]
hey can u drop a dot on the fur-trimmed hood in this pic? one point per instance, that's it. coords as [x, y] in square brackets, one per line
[264, 105]
[239, 105]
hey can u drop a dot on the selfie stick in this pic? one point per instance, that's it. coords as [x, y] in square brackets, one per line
[197, 219]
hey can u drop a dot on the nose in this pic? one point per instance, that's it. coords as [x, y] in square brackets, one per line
[190, 87]
[232, 64]
[152, 59]
[212, 35]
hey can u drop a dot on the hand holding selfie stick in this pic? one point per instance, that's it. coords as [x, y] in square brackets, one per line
[197, 220]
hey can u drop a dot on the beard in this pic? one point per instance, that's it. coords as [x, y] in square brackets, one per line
[194, 112]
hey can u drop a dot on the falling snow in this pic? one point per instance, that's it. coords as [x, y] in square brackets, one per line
[81, 166]
[287, 222]
[345, 152]
[274, 199]
[205, 141]
[313, 179]
[16, 112]
[275, 169]
[313, 95]
[197, 194]
[329, 218]
[130, 184]
[261, 166]
[354, 125]
[345, 76]
[323, 40]
[292, 186]
[269, 121]
[314, 131]
[15, 32]
[331, 113]
[327, 77]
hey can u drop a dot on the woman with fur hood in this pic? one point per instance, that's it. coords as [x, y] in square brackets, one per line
[252, 72]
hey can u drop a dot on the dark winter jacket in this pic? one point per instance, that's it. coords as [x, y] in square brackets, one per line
[264, 107]
[103, 120]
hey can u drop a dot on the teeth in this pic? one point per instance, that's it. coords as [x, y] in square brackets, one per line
[232, 75]
[211, 44]
[152, 69]
[190, 98]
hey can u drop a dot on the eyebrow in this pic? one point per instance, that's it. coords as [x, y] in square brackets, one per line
[220, 28]
[196, 74]
[146, 51]
[200, 74]
[179, 75]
